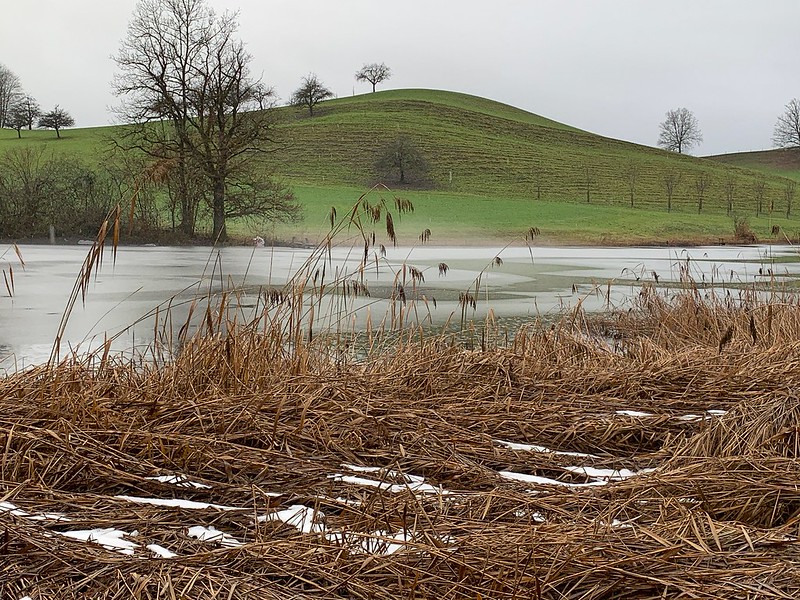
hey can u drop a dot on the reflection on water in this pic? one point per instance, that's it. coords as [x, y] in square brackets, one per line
[530, 283]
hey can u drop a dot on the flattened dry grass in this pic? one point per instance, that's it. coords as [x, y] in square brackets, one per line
[268, 425]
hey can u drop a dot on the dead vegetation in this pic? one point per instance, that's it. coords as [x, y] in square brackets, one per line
[648, 453]
[405, 474]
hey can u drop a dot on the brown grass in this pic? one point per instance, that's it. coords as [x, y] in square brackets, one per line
[253, 411]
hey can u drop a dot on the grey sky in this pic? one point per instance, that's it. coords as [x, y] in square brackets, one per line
[613, 67]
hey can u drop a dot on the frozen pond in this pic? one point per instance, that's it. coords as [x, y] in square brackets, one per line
[528, 283]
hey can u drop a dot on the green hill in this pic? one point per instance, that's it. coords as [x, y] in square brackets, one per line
[784, 162]
[496, 170]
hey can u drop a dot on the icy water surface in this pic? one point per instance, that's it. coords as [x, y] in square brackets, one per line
[540, 281]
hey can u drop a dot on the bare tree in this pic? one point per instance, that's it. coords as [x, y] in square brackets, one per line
[679, 131]
[402, 158]
[56, 119]
[31, 109]
[788, 194]
[10, 89]
[672, 180]
[310, 93]
[374, 73]
[701, 184]
[632, 175]
[17, 118]
[787, 129]
[194, 109]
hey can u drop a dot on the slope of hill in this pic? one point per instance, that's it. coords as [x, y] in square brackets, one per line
[478, 146]
[783, 161]
[496, 170]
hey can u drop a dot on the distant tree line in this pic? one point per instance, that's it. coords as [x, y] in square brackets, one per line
[38, 190]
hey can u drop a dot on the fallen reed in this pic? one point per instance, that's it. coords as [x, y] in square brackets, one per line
[657, 463]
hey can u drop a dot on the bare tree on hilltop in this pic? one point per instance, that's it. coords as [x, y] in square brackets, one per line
[56, 119]
[30, 108]
[374, 73]
[10, 89]
[17, 118]
[679, 131]
[194, 109]
[787, 129]
[310, 93]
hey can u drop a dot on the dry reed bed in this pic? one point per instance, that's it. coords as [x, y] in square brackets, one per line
[267, 429]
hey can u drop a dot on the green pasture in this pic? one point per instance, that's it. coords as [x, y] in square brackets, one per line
[88, 144]
[478, 220]
[495, 171]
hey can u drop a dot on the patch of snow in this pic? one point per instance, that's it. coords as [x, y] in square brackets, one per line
[689, 418]
[160, 551]
[542, 449]
[413, 483]
[633, 413]
[360, 469]
[308, 520]
[546, 480]
[302, 518]
[180, 481]
[709, 414]
[211, 534]
[177, 503]
[18, 512]
[108, 538]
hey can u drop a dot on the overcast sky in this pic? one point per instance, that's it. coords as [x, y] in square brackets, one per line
[613, 67]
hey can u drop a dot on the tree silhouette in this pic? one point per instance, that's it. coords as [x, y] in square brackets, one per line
[679, 131]
[56, 119]
[310, 93]
[374, 73]
[787, 129]
[402, 159]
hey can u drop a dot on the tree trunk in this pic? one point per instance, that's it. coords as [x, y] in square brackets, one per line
[186, 203]
[58, 134]
[373, 87]
[220, 234]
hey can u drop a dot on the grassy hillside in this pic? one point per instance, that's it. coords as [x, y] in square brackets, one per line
[490, 148]
[496, 170]
[784, 162]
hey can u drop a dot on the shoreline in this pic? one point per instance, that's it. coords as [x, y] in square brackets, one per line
[448, 241]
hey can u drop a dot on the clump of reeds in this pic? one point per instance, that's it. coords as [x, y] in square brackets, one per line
[694, 394]
[250, 413]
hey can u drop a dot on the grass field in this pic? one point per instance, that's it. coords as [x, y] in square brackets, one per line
[478, 220]
[495, 172]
